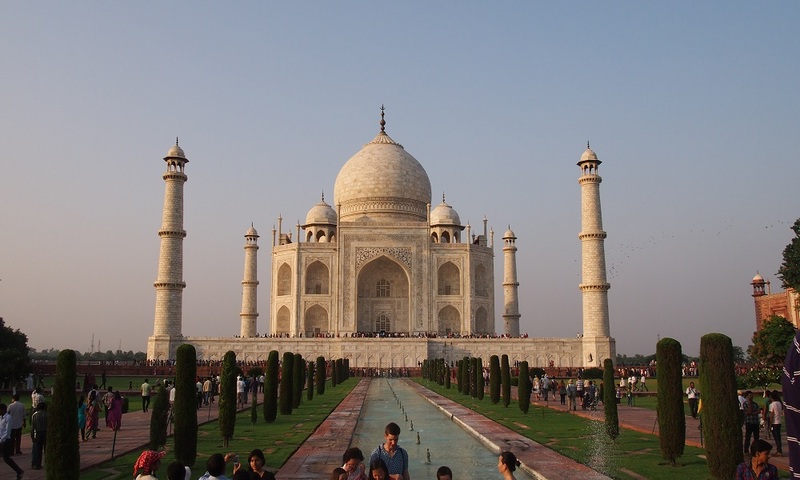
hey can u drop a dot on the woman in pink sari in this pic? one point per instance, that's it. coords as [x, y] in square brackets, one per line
[114, 417]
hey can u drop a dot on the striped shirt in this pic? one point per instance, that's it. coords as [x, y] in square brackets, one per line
[397, 463]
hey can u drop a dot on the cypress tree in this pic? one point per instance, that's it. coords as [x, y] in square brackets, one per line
[271, 388]
[227, 397]
[505, 380]
[185, 406]
[473, 381]
[63, 452]
[159, 419]
[610, 399]
[722, 431]
[524, 387]
[671, 419]
[339, 370]
[285, 397]
[467, 374]
[447, 376]
[481, 380]
[298, 374]
[494, 379]
[310, 381]
[460, 375]
[321, 375]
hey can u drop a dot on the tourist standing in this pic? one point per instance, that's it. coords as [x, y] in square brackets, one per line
[6, 443]
[93, 415]
[39, 435]
[147, 464]
[17, 412]
[751, 424]
[353, 461]
[444, 473]
[145, 395]
[562, 392]
[775, 421]
[691, 392]
[114, 418]
[395, 456]
[572, 392]
[82, 418]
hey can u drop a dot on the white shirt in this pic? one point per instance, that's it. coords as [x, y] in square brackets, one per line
[691, 392]
[776, 413]
[172, 395]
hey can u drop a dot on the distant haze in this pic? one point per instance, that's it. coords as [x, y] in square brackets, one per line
[692, 107]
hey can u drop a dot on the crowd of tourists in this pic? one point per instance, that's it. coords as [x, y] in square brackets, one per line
[389, 461]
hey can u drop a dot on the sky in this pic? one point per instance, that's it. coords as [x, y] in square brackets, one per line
[692, 108]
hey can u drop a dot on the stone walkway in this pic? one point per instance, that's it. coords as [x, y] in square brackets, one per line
[133, 436]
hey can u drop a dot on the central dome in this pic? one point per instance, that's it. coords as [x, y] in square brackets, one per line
[382, 182]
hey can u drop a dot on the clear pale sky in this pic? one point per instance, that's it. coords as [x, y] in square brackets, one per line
[693, 109]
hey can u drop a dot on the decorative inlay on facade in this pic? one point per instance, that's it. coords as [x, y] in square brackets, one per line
[401, 254]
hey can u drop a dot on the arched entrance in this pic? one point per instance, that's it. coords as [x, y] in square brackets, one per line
[383, 298]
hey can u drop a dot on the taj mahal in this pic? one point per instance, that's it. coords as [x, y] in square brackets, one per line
[382, 278]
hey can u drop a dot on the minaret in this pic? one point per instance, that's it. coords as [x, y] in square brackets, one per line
[597, 344]
[510, 284]
[169, 283]
[250, 284]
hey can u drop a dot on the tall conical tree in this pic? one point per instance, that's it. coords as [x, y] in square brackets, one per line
[721, 429]
[494, 379]
[467, 376]
[524, 387]
[185, 406]
[321, 375]
[505, 376]
[310, 381]
[285, 401]
[63, 453]
[298, 380]
[671, 419]
[475, 373]
[271, 388]
[227, 397]
[610, 399]
[159, 419]
[481, 380]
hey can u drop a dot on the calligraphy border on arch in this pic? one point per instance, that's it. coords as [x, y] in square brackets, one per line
[364, 254]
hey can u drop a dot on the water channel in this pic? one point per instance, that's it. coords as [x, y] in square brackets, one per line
[441, 441]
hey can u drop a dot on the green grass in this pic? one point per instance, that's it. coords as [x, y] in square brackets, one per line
[278, 440]
[585, 440]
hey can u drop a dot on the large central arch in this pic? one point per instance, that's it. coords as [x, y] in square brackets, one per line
[383, 297]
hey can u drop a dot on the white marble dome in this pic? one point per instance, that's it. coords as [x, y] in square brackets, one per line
[509, 233]
[321, 214]
[175, 151]
[251, 232]
[444, 214]
[382, 182]
[588, 155]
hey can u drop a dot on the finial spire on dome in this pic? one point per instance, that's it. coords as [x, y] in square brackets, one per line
[176, 142]
[587, 145]
[323, 195]
[443, 198]
[383, 122]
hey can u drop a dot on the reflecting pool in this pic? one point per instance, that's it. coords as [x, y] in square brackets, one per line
[441, 441]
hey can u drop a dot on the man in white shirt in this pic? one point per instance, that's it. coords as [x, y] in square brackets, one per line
[692, 394]
[17, 412]
[6, 443]
[775, 420]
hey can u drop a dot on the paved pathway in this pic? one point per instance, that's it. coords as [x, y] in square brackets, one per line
[134, 435]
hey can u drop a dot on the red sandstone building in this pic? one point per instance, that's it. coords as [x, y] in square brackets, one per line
[785, 304]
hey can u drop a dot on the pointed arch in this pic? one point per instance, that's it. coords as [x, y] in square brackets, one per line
[449, 321]
[383, 289]
[449, 279]
[482, 321]
[315, 321]
[317, 278]
[445, 237]
[285, 279]
[283, 321]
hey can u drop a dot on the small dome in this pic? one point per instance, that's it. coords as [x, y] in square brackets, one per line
[589, 155]
[251, 232]
[444, 214]
[176, 151]
[509, 233]
[758, 278]
[321, 214]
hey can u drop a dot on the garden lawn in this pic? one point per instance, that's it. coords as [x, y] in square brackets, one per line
[278, 440]
[633, 456]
